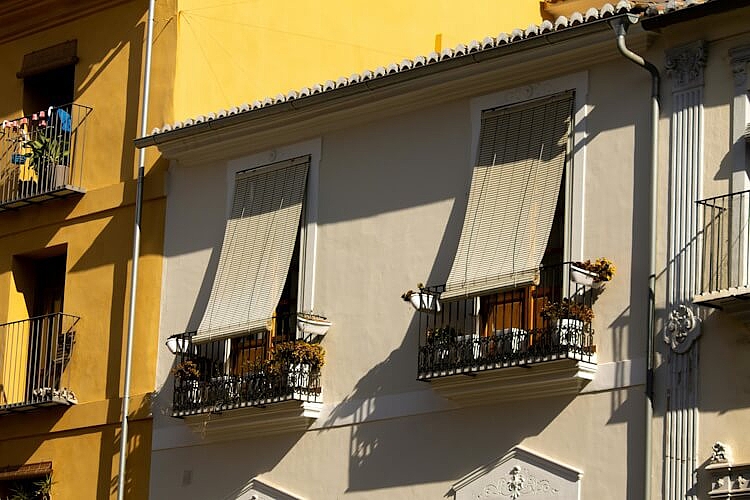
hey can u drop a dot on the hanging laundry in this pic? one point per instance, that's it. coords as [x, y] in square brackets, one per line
[65, 119]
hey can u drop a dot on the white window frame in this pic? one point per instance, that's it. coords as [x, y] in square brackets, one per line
[575, 169]
[309, 225]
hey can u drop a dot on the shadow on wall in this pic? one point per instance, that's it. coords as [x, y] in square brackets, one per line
[66, 467]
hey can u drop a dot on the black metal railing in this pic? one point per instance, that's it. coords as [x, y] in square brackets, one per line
[724, 228]
[235, 372]
[34, 357]
[547, 320]
[42, 154]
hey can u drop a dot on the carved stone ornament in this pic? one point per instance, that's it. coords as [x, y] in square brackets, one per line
[520, 475]
[519, 482]
[720, 453]
[685, 65]
[739, 58]
[683, 327]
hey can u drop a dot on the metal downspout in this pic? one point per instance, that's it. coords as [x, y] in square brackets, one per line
[121, 477]
[621, 27]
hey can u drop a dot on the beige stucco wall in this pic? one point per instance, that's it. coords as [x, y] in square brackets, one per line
[390, 207]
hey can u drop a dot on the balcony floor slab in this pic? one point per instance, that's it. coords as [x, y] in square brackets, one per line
[288, 415]
[566, 374]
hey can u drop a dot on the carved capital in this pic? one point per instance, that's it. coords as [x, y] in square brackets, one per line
[685, 65]
[739, 57]
[683, 327]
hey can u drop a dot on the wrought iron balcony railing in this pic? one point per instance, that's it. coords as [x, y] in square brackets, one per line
[34, 357]
[41, 155]
[724, 227]
[545, 321]
[234, 373]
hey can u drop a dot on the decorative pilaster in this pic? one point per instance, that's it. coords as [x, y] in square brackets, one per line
[685, 67]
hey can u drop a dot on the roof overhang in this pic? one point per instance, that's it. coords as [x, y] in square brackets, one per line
[528, 60]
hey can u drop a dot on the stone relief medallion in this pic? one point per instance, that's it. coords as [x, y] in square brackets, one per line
[519, 482]
[683, 327]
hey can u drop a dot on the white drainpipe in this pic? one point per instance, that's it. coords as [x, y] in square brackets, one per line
[121, 477]
[620, 26]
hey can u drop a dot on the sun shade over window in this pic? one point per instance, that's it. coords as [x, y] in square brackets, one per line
[57, 56]
[257, 250]
[514, 190]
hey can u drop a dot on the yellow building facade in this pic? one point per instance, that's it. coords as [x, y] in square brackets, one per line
[71, 87]
[65, 263]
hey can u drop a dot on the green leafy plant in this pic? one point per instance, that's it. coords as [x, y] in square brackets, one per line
[602, 267]
[187, 370]
[285, 354]
[46, 151]
[41, 489]
[567, 309]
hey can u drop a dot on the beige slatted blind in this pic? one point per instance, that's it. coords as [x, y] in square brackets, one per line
[257, 250]
[514, 190]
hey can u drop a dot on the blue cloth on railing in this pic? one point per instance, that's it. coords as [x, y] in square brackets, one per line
[64, 118]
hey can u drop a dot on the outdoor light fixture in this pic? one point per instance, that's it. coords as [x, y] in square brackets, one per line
[177, 343]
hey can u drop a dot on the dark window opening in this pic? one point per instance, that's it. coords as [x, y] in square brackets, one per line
[55, 87]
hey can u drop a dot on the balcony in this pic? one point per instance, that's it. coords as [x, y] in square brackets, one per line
[34, 357]
[724, 241]
[41, 156]
[237, 379]
[519, 343]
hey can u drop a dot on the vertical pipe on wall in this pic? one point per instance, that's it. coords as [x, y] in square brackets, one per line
[620, 26]
[121, 477]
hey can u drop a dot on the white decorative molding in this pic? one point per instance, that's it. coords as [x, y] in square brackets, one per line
[261, 490]
[520, 474]
[726, 479]
[519, 482]
[683, 327]
[685, 65]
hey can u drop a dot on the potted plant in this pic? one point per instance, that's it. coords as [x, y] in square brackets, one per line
[309, 323]
[421, 300]
[299, 359]
[41, 489]
[186, 370]
[569, 319]
[592, 273]
[187, 374]
[48, 157]
[441, 339]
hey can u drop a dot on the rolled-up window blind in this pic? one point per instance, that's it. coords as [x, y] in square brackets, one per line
[513, 196]
[257, 250]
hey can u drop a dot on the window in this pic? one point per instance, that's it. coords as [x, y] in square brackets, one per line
[257, 276]
[49, 77]
[513, 197]
[508, 299]
[36, 351]
[32, 481]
